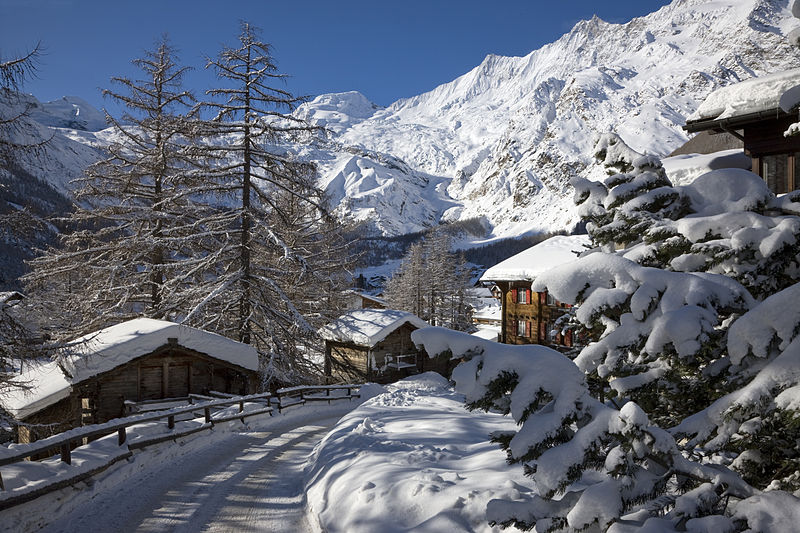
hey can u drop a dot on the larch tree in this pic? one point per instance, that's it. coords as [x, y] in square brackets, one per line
[272, 225]
[20, 345]
[13, 110]
[432, 283]
[135, 217]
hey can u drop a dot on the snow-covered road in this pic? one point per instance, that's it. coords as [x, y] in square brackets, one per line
[250, 481]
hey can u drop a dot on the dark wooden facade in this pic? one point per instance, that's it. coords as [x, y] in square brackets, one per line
[169, 372]
[529, 317]
[775, 158]
[354, 363]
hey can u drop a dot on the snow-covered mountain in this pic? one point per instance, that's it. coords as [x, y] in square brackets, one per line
[502, 140]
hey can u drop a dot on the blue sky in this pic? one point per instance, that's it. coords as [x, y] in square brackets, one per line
[384, 49]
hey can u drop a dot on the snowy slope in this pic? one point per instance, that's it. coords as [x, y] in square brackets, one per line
[69, 112]
[510, 133]
[503, 140]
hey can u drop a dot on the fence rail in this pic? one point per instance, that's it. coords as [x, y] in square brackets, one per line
[62, 442]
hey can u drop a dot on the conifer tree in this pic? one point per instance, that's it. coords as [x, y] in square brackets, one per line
[13, 111]
[432, 283]
[135, 215]
[273, 237]
[592, 465]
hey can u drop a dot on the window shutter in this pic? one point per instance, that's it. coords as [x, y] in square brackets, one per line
[514, 295]
[542, 298]
[528, 294]
[542, 330]
[568, 338]
[527, 329]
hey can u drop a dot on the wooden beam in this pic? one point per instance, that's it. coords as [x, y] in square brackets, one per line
[164, 378]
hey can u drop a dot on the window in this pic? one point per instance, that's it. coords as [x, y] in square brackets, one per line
[523, 328]
[521, 296]
[775, 171]
[551, 300]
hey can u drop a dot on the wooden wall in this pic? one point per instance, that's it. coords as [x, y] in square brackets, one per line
[348, 362]
[536, 313]
[169, 372]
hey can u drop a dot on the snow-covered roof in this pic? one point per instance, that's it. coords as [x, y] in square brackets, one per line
[764, 93]
[528, 264]
[111, 347]
[368, 327]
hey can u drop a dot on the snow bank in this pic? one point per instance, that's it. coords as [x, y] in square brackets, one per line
[684, 169]
[539, 258]
[412, 459]
[726, 191]
[368, 327]
[750, 96]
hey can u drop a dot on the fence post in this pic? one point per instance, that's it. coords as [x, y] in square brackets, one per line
[241, 405]
[207, 412]
[328, 394]
[171, 421]
[122, 436]
[2, 487]
[65, 453]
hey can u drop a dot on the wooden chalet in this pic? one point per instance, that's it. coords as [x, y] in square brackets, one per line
[529, 317]
[141, 359]
[375, 345]
[757, 112]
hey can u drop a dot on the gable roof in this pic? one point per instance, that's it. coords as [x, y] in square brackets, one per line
[528, 264]
[368, 327]
[111, 347]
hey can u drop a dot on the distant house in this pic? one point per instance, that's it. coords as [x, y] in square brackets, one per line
[357, 299]
[374, 345]
[486, 309]
[529, 317]
[142, 359]
[758, 111]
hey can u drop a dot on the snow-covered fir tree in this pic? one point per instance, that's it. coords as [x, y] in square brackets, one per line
[594, 467]
[697, 341]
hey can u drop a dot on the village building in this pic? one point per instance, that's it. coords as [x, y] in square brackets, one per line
[758, 111]
[375, 345]
[486, 309]
[530, 317]
[142, 359]
[358, 299]
[486, 312]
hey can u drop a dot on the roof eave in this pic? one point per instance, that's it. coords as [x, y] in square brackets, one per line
[728, 123]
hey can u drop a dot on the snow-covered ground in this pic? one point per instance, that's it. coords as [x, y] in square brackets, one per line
[386, 466]
[232, 477]
[412, 459]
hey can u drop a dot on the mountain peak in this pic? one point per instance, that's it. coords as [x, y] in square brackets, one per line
[337, 111]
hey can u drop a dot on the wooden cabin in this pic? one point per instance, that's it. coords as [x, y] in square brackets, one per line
[529, 317]
[751, 111]
[375, 345]
[141, 359]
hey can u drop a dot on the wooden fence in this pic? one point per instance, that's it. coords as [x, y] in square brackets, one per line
[216, 401]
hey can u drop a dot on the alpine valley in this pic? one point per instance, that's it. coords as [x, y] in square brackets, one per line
[499, 143]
